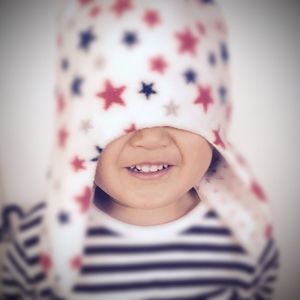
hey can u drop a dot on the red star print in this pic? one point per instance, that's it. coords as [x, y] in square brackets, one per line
[45, 261]
[158, 64]
[95, 11]
[85, 2]
[228, 112]
[62, 137]
[84, 199]
[121, 6]
[132, 128]
[75, 262]
[59, 40]
[204, 97]
[201, 28]
[268, 231]
[257, 190]
[220, 26]
[78, 164]
[60, 103]
[187, 41]
[111, 95]
[241, 160]
[151, 17]
[218, 140]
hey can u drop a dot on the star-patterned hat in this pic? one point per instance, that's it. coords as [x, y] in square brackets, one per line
[124, 65]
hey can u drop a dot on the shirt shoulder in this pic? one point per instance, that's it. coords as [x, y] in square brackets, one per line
[22, 268]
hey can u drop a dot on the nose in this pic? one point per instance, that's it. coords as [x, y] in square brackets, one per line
[151, 138]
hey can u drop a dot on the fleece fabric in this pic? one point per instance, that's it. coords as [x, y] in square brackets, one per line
[124, 65]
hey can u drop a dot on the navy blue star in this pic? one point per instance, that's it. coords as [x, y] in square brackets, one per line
[207, 1]
[224, 52]
[64, 64]
[76, 86]
[190, 76]
[223, 93]
[99, 150]
[147, 89]
[86, 38]
[130, 38]
[212, 59]
[63, 217]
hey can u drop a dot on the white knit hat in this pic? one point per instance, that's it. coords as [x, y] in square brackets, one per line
[129, 64]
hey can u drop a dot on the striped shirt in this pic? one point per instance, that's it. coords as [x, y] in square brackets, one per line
[193, 257]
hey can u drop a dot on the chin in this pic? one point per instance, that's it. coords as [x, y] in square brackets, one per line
[148, 202]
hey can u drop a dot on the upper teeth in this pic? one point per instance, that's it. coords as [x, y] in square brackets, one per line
[148, 168]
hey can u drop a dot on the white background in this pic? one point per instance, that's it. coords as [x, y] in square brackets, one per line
[265, 47]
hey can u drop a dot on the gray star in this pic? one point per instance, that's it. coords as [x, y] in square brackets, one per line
[57, 185]
[100, 62]
[171, 108]
[86, 126]
[71, 23]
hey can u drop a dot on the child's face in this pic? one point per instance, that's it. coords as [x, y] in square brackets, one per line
[188, 154]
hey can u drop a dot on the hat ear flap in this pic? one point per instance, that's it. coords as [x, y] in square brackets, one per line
[229, 190]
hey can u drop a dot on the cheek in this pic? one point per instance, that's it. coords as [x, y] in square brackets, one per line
[199, 162]
[102, 175]
[98, 177]
[107, 178]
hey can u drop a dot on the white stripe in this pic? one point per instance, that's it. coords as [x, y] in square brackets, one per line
[267, 259]
[30, 233]
[16, 275]
[31, 271]
[167, 257]
[28, 219]
[186, 239]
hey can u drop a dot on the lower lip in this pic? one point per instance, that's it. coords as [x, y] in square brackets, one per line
[150, 175]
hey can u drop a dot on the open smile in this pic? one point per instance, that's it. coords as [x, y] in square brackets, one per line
[138, 173]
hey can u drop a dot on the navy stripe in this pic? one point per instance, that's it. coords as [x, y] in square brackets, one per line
[11, 297]
[39, 277]
[266, 251]
[270, 279]
[202, 296]
[167, 266]
[208, 230]
[30, 242]
[166, 284]
[31, 224]
[92, 250]
[20, 271]
[48, 292]
[20, 291]
[17, 267]
[9, 282]
[36, 208]
[36, 279]
[259, 297]
[100, 231]
[31, 261]
[266, 289]
[270, 263]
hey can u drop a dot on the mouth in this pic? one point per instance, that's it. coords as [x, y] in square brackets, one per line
[149, 171]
